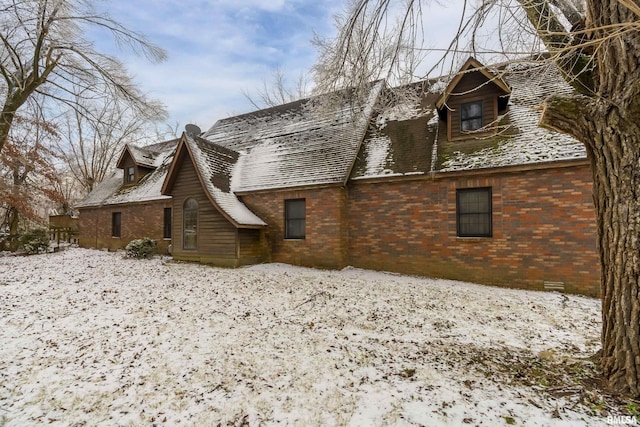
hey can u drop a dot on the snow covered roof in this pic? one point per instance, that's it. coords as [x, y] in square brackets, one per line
[407, 137]
[215, 165]
[307, 142]
[111, 191]
[149, 156]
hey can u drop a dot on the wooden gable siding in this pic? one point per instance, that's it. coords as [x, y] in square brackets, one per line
[472, 87]
[217, 240]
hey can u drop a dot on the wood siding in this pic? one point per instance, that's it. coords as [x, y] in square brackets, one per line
[472, 87]
[217, 237]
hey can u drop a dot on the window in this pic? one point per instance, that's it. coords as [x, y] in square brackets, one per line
[471, 116]
[116, 223]
[190, 224]
[131, 174]
[167, 223]
[295, 213]
[474, 212]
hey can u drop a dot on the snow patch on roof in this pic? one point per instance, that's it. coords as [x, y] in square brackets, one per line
[216, 164]
[377, 152]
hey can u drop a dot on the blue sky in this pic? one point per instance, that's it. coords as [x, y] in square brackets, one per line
[219, 49]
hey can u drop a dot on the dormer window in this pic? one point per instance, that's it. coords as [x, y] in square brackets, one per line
[130, 174]
[473, 101]
[471, 116]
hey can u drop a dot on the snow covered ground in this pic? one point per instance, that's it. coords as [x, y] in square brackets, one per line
[92, 338]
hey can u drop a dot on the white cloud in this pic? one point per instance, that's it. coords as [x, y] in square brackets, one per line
[218, 49]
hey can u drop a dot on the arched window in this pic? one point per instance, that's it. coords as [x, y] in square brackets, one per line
[190, 224]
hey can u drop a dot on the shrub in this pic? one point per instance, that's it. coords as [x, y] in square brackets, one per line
[34, 241]
[142, 248]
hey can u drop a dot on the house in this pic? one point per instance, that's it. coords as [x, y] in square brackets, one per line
[449, 178]
[128, 204]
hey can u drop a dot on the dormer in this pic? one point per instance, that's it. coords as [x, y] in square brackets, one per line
[135, 162]
[472, 101]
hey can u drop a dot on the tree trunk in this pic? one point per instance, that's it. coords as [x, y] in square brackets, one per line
[612, 139]
[6, 120]
[616, 189]
[14, 220]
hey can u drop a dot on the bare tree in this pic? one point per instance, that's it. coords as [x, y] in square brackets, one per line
[45, 51]
[277, 91]
[596, 46]
[93, 139]
[369, 47]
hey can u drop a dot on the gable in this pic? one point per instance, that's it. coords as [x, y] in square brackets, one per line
[213, 167]
[472, 66]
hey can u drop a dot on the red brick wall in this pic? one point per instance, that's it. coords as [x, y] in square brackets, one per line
[138, 221]
[325, 243]
[543, 230]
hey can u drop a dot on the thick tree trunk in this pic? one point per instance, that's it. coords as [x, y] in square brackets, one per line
[616, 189]
[612, 139]
[606, 120]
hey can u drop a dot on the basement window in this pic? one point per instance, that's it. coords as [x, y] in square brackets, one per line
[474, 212]
[295, 212]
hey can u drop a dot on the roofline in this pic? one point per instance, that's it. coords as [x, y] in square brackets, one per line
[139, 202]
[169, 180]
[472, 172]
[302, 187]
[477, 66]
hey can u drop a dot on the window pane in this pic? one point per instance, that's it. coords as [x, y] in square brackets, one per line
[295, 228]
[471, 124]
[470, 110]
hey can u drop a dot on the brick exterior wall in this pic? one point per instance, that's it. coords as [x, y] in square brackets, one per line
[325, 243]
[543, 229]
[138, 220]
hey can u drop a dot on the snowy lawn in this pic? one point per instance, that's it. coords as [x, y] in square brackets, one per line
[92, 338]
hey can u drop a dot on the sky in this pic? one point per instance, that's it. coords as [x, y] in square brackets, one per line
[220, 49]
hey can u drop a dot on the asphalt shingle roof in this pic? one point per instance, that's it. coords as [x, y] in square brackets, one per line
[406, 137]
[111, 192]
[307, 142]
